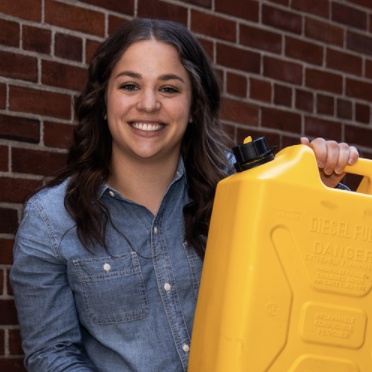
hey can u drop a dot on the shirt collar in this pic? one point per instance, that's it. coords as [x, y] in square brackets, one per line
[179, 173]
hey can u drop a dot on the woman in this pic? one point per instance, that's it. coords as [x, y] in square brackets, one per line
[108, 256]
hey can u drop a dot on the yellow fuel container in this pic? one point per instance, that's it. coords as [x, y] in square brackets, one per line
[286, 283]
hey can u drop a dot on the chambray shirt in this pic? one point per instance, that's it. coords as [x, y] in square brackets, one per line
[122, 310]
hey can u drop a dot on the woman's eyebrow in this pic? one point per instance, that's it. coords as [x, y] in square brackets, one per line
[171, 77]
[130, 74]
[165, 77]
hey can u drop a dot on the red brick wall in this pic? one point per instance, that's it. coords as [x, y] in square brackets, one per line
[288, 67]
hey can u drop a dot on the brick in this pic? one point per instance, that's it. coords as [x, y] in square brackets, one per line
[230, 131]
[242, 9]
[323, 31]
[8, 224]
[365, 3]
[358, 136]
[239, 112]
[204, 3]
[359, 43]
[283, 70]
[281, 19]
[12, 365]
[236, 84]
[74, 18]
[26, 9]
[124, 7]
[359, 89]
[272, 139]
[40, 102]
[327, 129]
[325, 104]
[260, 39]
[2, 96]
[368, 72]
[211, 25]
[63, 76]
[260, 90]
[9, 33]
[299, 49]
[220, 77]
[322, 80]
[238, 58]
[114, 23]
[304, 100]
[2, 332]
[15, 341]
[289, 141]
[58, 135]
[4, 158]
[282, 95]
[69, 47]
[280, 120]
[15, 190]
[281, 2]
[17, 66]
[344, 62]
[362, 113]
[6, 251]
[36, 39]
[19, 129]
[349, 16]
[90, 48]
[37, 162]
[344, 109]
[162, 10]
[317, 7]
[8, 286]
[208, 47]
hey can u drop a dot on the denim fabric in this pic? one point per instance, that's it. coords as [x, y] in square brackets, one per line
[126, 310]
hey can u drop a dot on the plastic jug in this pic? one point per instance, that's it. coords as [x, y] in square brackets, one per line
[286, 283]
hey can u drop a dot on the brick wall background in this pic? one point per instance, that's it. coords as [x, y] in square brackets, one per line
[288, 68]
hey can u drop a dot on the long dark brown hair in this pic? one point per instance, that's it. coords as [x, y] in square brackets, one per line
[203, 148]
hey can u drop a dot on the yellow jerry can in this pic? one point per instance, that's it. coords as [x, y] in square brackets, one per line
[286, 283]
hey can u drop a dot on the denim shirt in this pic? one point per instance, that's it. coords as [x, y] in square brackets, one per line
[122, 310]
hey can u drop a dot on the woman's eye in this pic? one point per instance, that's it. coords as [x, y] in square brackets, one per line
[169, 90]
[129, 87]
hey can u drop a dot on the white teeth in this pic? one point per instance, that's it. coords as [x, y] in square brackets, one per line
[147, 127]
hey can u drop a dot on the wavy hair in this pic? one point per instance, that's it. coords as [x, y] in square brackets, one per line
[204, 146]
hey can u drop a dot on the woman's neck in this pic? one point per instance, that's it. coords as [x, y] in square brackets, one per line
[143, 182]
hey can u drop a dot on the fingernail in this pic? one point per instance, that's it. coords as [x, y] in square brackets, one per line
[328, 171]
[338, 170]
[321, 164]
[351, 161]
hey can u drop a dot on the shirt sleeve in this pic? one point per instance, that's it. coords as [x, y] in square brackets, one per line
[48, 320]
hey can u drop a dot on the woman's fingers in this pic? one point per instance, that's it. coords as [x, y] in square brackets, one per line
[332, 158]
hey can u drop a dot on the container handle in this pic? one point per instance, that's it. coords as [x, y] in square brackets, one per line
[363, 167]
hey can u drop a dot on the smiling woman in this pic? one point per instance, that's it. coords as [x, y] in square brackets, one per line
[108, 256]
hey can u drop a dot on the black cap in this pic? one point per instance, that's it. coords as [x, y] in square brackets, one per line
[251, 151]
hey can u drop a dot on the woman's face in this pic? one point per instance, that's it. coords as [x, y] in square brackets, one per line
[148, 102]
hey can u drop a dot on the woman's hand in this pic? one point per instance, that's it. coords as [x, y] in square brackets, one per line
[332, 158]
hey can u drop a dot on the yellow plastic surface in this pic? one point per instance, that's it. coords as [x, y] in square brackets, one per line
[286, 283]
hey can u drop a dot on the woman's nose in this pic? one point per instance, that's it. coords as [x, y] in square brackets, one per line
[148, 101]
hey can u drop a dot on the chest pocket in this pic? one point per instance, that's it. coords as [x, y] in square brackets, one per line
[196, 266]
[113, 288]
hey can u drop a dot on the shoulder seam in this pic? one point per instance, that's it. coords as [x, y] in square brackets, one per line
[47, 224]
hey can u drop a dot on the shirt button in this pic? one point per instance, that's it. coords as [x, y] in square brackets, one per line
[155, 230]
[111, 193]
[106, 267]
[167, 286]
[186, 348]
